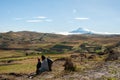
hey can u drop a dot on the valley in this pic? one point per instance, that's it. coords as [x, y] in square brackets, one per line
[96, 57]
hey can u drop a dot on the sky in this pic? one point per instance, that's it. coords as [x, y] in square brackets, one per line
[60, 15]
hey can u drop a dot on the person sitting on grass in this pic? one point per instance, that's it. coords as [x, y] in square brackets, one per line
[50, 62]
[38, 66]
[44, 65]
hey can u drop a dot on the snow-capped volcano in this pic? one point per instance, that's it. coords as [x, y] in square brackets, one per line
[85, 31]
[77, 31]
[81, 31]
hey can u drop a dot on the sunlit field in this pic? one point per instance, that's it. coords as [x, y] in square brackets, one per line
[16, 61]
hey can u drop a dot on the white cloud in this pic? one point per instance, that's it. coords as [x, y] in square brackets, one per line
[63, 33]
[34, 21]
[41, 17]
[94, 32]
[107, 33]
[81, 18]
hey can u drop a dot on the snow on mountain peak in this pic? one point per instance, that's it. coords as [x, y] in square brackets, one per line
[81, 31]
[85, 31]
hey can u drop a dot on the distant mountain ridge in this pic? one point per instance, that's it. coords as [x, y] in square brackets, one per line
[86, 31]
[34, 40]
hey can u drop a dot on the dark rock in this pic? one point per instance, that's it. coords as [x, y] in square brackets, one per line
[9, 61]
[15, 74]
[92, 57]
[113, 55]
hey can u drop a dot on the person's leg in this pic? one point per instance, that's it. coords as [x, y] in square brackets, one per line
[50, 68]
[41, 70]
[37, 71]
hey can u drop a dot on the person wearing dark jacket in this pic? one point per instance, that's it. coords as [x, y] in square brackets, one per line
[49, 64]
[45, 65]
[38, 66]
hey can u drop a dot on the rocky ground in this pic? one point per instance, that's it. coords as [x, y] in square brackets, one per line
[109, 70]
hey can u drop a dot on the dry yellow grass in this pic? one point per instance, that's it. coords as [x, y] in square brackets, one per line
[25, 64]
[6, 53]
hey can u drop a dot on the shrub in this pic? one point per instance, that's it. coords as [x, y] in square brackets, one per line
[113, 55]
[69, 66]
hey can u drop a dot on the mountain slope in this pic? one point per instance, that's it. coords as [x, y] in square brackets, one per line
[81, 31]
[27, 39]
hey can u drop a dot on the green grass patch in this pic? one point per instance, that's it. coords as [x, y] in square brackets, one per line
[25, 64]
[18, 68]
[10, 53]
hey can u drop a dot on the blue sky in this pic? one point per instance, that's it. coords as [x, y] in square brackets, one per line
[60, 15]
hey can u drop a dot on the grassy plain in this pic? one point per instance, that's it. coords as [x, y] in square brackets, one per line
[21, 63]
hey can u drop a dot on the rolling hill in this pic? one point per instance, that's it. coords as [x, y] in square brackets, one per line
[34, 40]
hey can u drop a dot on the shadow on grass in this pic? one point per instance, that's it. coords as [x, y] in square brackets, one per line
[11, 57]
[8, 64]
